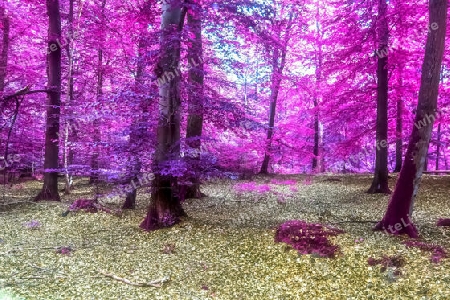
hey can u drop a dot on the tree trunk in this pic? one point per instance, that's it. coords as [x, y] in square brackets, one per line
[438, 147]
[4, 67]
[276, 83]
[195, 98]
[317, 164]
[165, 209]
[5, 49]
[50, 187]
[68, 152]
[96, 123]
[277, 74]
[400, 207]
[138, 130]
[380, 179]
[399, 129]
[438, 143]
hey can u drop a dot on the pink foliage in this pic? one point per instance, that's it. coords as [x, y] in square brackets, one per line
[283, 182]
[438, 252]
[308, 238]
[252, 187]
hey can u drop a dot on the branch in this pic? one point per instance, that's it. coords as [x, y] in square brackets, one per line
[155, 283]
[24, 91]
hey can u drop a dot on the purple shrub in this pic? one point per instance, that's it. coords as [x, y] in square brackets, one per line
[437, 251]
[308, 238]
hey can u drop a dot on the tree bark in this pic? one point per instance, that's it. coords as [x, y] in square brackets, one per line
[400, 207]
[5, 49]
[165, 208]
[138, 129]
[317, 163]
[96, 123]
[68, 151]
[438, 147]
[276, 78]
[50, 187]
[380, 179]
[399, 129]
[195, 98]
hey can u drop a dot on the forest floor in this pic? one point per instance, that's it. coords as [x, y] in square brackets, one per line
[225, 248]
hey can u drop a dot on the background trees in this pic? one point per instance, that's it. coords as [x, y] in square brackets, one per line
[276, 87]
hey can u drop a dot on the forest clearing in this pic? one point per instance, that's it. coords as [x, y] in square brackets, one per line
[235, 149]
[225, 249]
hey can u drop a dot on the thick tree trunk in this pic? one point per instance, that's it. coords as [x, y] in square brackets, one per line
[50, 187]
[380, 179]
[399, 129]
[400, 207]
[195, 98]
[165, 208]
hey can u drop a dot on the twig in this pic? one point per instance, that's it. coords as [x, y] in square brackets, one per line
[155, 283]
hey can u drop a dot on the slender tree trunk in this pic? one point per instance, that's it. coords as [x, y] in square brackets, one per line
[96, 123]
[399, 128]
[4, 56]
[68, 151]
[276, 83]
[445, 159]
[400, 208]
[438, 144]
[5, 49]
[195, 98]
[317, 165]
[438, 147]
[277, 74]
[165, 207]
[138, 130]
[380, 179]
[50, 187]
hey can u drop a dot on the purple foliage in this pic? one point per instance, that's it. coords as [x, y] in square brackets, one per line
[438, 251]
[169, 220]
[308, 238]
[64, 250]
[33, 224]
